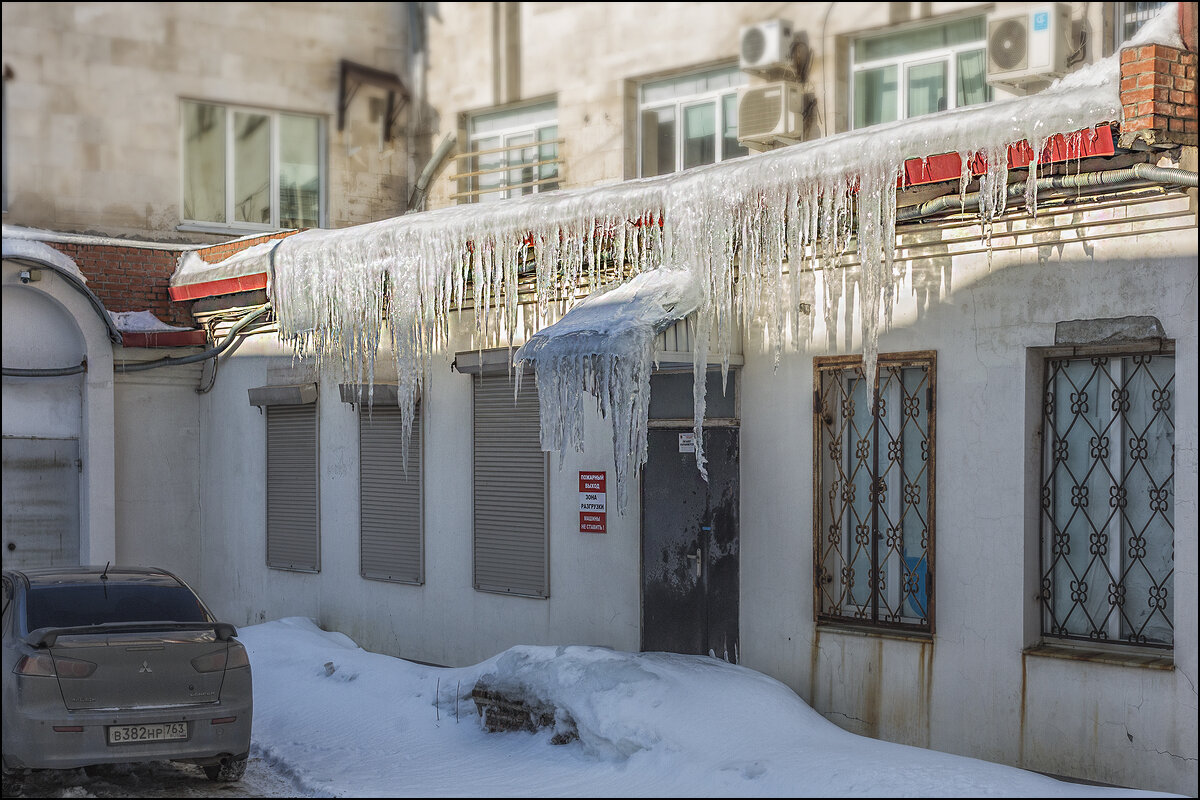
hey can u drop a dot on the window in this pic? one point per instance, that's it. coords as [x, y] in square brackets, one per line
[511, 153]
[511, 554]
[1108, 498]
[874, 481]
[688, 120]
[247, 168]
[919, 71]
[390, 541]
[1130, 17]
[293, 540]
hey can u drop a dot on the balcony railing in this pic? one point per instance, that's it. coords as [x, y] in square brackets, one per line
[510, 171]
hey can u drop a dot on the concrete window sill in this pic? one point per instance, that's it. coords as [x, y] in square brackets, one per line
[1160, 659]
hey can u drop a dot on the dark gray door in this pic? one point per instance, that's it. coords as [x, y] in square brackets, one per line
[690, 546]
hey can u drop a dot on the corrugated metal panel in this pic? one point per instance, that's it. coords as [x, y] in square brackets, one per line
[511, 543]
[293, 529]
[390, 542]
[41, 502]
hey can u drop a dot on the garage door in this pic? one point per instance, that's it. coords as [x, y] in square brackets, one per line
[41, 501]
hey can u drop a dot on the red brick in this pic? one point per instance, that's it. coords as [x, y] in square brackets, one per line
[1129, 54]
[1144, 94]
[1137, 124]
[1184, 84]
[1188, 59]
[1179, 70]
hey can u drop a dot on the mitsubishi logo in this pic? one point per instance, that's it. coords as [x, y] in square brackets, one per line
[145, 667]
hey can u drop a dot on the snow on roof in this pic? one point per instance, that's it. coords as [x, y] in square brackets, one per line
[253, 260]
[748, 217]
[141, 322]
[39, 251]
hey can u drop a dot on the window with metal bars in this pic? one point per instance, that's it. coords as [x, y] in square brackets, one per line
[1108, 497]
[874, 491]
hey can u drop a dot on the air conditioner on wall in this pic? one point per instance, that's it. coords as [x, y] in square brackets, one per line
[1027, 48]
[766, 46]
[771, 113]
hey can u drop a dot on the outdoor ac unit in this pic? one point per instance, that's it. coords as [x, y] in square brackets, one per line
[771, 112]
[766, 45]
[1027, 48]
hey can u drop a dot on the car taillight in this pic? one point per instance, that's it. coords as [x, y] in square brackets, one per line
[231, 658]
[47, 666]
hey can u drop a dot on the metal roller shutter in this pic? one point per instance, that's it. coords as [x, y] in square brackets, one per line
[292, 511]
[390, 543]
[511, 542]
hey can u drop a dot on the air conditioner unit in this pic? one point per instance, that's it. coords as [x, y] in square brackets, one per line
[766, 45]
[1027, 48]
[771, 113]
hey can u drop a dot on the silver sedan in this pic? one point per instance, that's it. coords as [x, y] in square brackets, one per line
[107, 665]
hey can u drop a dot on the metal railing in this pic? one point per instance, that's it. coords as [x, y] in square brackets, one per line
[509, 171]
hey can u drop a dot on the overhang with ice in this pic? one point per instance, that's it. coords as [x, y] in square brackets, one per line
[767, 219]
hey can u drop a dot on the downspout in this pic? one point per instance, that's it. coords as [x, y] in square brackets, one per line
[1113, 177]
[417, 199]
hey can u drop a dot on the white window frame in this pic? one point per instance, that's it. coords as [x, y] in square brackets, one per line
[247, 227]
[1121, 14]
[680, 103]
[948, 55]
[503, 191]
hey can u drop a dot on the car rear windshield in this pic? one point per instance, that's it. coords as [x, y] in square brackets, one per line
[70, 606]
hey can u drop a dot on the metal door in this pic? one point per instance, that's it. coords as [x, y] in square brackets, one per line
[41, 502]
[690, 545]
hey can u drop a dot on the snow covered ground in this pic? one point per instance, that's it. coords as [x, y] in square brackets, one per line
[341, 721]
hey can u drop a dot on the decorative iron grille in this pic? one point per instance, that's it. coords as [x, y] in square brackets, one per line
[1108, 475]
[874, 480]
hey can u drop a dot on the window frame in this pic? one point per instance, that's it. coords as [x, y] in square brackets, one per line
[946, 54]
[229, 226]
[1122, 12]
[877, 624]
[505, 188]
[680, 103]
[1045, 523]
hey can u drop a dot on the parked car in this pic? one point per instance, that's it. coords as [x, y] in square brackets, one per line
[109, 665]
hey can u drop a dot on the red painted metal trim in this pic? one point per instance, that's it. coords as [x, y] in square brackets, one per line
[948, 166]
[241, 283]
[164, 338]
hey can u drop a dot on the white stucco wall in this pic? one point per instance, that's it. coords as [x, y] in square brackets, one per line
[157, 464]
[968, 689]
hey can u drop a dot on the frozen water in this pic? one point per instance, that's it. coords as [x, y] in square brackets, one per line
[737, 238]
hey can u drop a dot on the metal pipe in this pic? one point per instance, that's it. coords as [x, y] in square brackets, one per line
[417, 198]
[1137, 172]
[49, 372]
[169, 361]
[113, 334]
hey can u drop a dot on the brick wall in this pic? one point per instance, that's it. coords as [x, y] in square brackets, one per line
[130, 278]
[134, 278]
[1158, 92]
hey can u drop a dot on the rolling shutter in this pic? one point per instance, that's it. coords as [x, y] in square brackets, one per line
[511, 543]
[292, 510]
[390, 541]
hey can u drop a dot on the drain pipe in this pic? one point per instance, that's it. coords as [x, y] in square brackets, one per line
[1112, 177]
[417, 198]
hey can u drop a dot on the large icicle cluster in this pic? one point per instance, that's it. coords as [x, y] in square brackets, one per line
[739, 238]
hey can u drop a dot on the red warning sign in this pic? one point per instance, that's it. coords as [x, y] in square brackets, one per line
[593, 502]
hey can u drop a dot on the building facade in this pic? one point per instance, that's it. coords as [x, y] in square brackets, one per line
[1004, 532]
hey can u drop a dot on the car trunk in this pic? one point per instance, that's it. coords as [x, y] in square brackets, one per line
[139, 669]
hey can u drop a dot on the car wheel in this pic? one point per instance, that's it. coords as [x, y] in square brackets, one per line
[227, 771]
[14, 782]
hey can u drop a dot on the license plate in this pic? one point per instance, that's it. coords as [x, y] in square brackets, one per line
[135, 734]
